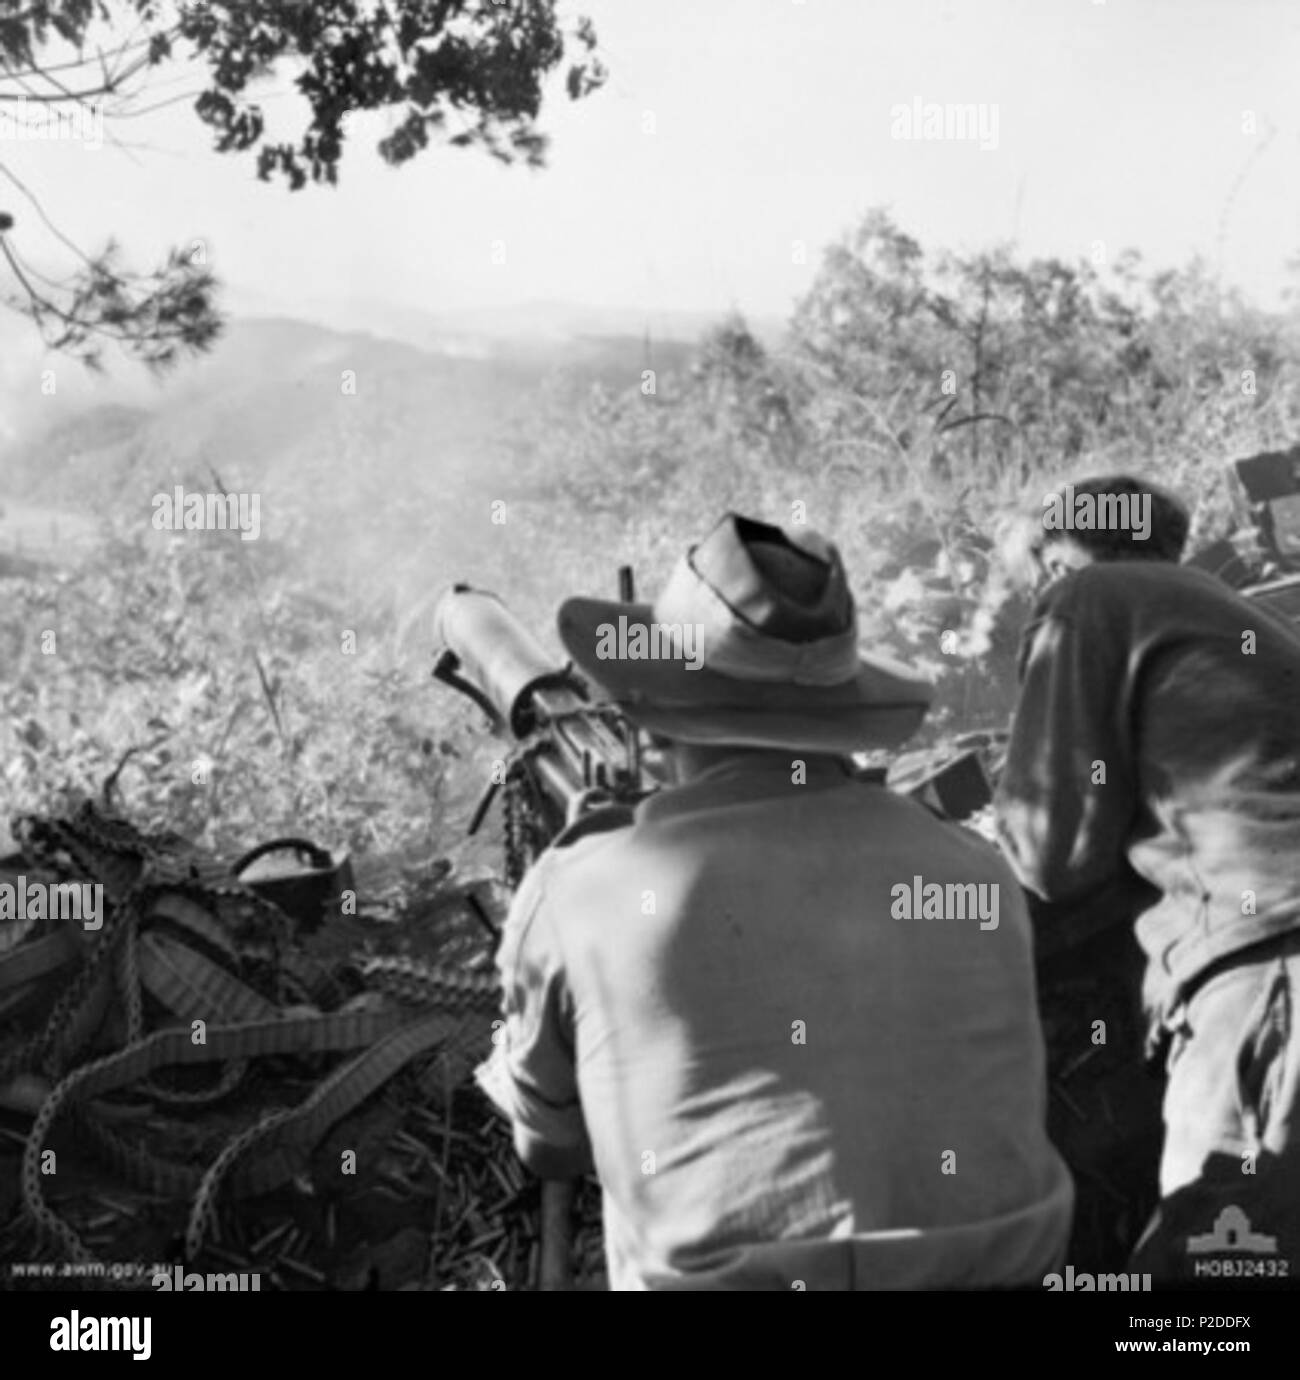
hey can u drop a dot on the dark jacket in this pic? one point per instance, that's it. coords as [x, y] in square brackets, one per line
[1155, 753]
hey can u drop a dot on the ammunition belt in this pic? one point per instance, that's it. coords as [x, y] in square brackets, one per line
[214, 925]
[432, 984]
[295, 1130]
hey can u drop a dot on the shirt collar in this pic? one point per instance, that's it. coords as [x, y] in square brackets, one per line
[762, 772]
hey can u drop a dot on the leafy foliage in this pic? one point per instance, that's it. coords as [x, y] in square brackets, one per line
[915, 401]
[156, 317]
[224, 693]
[468, 73]
[482, 62]
[844, 424]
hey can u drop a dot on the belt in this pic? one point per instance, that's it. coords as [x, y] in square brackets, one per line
[1257, 952]
[1161, 1028]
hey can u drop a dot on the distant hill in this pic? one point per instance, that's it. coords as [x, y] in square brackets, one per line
[269, 404]
[368, 453]
[519, 328]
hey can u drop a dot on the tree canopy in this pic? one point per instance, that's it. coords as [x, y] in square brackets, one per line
[461, 73]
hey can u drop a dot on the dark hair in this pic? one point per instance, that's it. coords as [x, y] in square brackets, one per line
[1170, 522]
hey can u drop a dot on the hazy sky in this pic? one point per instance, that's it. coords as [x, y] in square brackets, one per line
[1119, 122]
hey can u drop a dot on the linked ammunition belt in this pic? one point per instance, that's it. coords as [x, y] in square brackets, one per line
[180, 927]
[427, 984]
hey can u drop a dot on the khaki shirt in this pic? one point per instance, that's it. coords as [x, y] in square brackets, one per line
[783, 1078]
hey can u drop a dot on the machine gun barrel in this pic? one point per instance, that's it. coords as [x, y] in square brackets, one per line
[491, 657]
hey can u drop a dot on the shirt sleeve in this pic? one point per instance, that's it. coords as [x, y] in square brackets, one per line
[1068, 793]
[533, 1075]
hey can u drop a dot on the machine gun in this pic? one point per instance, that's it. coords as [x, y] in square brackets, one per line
[572, 756]
[569, 757]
